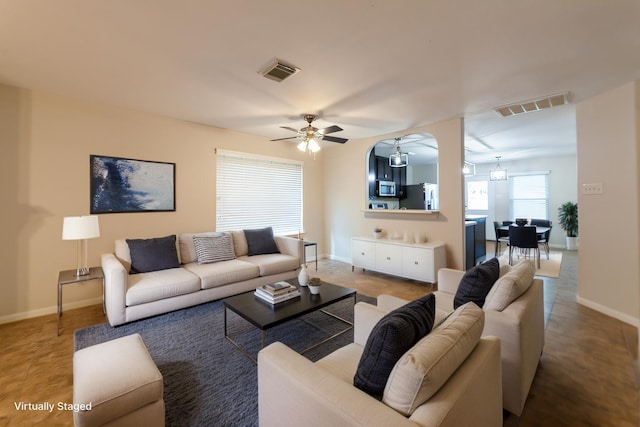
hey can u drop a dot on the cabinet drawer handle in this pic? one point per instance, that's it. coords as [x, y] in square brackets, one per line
[388, 258]
[362, 253]
[415, 262]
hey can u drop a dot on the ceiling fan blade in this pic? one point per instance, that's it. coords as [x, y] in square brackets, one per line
[288, 128]
[330, 129]
[283, 139]
[334, 139]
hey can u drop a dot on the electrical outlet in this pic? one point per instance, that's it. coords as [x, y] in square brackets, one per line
[591, 189]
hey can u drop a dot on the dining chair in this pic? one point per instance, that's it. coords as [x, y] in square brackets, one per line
[524, 238]
[543, 238]
[502, 236]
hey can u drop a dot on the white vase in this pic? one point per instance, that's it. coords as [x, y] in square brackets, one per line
[420, 237]
[303, 276]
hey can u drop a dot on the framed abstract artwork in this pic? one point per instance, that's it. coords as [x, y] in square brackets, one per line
[121, 185]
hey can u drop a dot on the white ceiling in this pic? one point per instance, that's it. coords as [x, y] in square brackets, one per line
[370, 66]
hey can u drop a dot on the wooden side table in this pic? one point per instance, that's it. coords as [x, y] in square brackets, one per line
[67, 277]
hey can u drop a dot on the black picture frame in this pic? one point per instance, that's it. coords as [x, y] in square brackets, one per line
[122, 185]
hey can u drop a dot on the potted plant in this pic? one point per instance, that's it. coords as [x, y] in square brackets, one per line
[568, 217]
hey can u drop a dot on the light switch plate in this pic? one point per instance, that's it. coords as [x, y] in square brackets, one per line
[591, 189]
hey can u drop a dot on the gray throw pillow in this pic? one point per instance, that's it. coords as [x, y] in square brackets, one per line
[392, 337]
[213, 248]
[476, 283]
[261, 241]
[153, 254]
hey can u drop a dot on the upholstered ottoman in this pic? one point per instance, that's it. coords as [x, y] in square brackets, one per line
[116, 383]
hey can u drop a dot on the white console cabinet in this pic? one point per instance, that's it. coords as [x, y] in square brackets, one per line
[419, 261]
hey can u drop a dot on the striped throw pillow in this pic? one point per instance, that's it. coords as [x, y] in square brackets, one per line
[213, 248]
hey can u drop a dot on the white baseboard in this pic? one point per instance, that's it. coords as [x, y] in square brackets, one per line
[633, 321]
[337, 258]
[48, 310]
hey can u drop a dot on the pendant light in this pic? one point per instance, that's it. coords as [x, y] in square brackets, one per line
[398, 159]
[498, 174]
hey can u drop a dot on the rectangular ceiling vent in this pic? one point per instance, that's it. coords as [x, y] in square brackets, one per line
[533, 105]
[279, 70]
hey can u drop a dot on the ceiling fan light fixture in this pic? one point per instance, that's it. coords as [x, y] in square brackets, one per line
[313, 146]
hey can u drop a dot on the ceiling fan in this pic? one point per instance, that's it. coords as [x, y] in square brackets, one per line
[310, 133]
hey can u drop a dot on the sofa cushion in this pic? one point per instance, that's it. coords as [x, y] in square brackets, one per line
[273, 263]
[239, 243]
[261, 241]
[223, 273]
[390, 338]
[187, 248]
[427, 366]
[476, 283]
[153, 254]
[156, 285]
[510, 286]
[213, 248]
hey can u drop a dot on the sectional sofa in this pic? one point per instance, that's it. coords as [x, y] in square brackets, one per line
[146, 277]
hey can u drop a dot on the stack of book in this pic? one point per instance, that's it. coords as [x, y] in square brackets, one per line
[277, 292]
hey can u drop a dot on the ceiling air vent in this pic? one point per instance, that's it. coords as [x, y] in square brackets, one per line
[279, 70]
[533, 105]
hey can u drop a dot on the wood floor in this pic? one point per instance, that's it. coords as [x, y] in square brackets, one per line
[587, 375]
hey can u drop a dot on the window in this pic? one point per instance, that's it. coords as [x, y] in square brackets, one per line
[529, 195]
[477, 195]
[255, 192]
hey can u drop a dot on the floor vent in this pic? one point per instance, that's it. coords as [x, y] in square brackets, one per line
[533, 105]
[279, 70]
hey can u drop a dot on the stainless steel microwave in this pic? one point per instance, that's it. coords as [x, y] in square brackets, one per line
[386, 189]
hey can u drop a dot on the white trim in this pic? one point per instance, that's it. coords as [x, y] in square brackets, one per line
[222, 152]
[49, 310]
[633, 321]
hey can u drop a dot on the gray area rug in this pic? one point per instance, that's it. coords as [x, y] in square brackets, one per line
[207, 381]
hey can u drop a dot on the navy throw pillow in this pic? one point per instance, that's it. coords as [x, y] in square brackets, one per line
[392, 337]
[476, 283]
[153, 254]
[261, 241]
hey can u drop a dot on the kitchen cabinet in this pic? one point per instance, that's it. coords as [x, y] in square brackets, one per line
[384, 172]
[475, 240]
[419, 261]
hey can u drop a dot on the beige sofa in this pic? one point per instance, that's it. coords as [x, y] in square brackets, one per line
[520, 327]
[294, 391]
[130, 297]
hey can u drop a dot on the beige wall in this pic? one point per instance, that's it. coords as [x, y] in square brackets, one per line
[609, 239]
[347, 193]
[46, 142]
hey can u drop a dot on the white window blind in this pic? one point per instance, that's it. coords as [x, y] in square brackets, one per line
[257, 192]
[529, 195]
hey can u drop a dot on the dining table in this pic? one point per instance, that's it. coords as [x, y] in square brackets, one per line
[539, 229]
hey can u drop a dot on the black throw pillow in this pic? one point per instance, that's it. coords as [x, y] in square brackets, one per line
[153, 254]
[476, 283]
[392, 337]
[261, 241]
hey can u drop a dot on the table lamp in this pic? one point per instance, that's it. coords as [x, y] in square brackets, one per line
[81, 228]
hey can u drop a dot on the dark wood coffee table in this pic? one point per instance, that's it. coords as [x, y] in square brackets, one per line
[265, 316]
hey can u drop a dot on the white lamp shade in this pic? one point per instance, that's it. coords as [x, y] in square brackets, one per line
[80, 227]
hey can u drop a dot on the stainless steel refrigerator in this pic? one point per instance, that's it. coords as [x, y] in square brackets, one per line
[420, 196]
